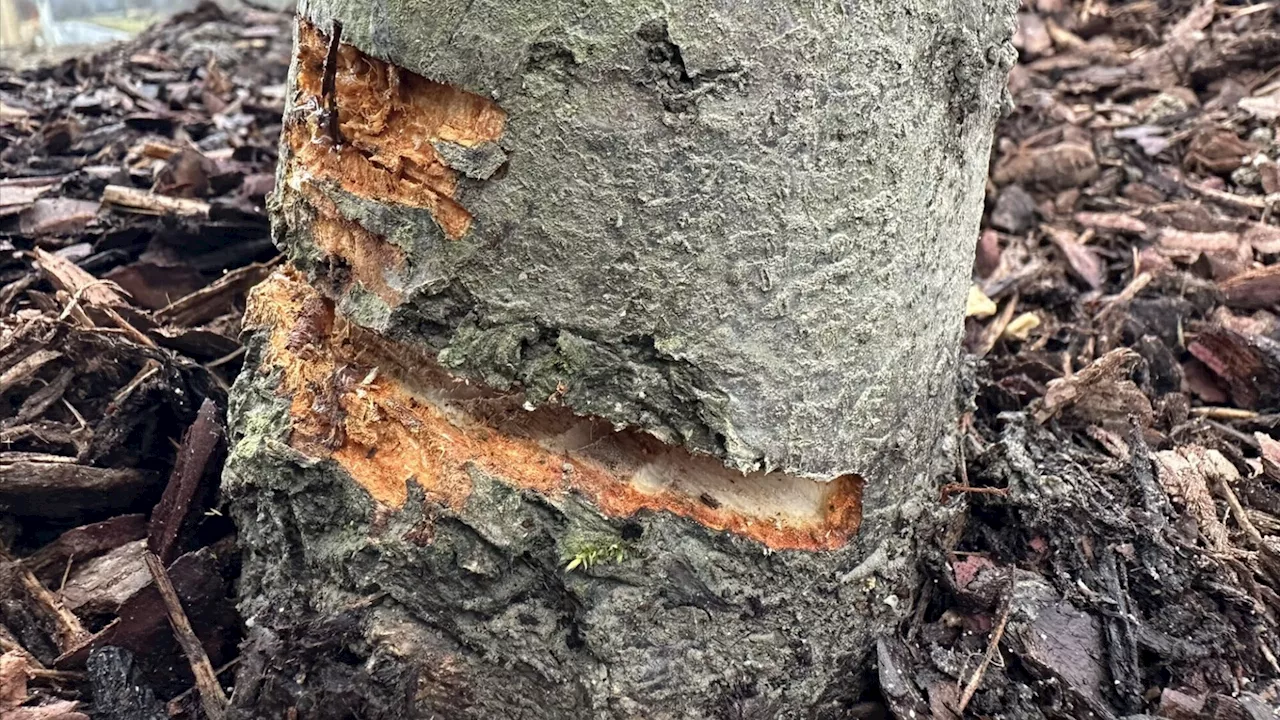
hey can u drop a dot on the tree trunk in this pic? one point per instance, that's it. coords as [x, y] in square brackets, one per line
[615, 361]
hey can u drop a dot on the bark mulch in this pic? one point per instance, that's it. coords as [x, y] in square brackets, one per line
[1116, 546]
[132, 223]
[1113, 544]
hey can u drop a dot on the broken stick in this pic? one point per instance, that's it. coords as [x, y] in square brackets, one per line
[212, 698]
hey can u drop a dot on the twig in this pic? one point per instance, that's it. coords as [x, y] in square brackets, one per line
[1251, 532]
[953, 488]
[69, 630]
[994, 643]
[56, 676]
[329, 86]
[1270, 656]
[1232, 432]
[151, 367]
[1130, 291]
[175, 704]
[229, 357]
[1223, 413]
[212, 698]
[142, 202]
[995, 330]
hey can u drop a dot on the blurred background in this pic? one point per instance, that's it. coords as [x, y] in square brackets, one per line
[35, 29]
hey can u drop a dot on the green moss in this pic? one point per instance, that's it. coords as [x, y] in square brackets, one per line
[585, 547]
[365, 309]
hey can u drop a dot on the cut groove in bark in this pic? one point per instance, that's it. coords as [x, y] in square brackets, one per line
[405, 139]
[411, 421]
[371, 258]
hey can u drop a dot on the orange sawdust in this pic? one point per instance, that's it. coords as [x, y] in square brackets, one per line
[388, 119]
[381, 428]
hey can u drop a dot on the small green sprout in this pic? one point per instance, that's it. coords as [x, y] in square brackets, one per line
[590, 555]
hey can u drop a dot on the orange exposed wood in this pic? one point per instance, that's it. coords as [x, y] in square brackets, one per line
[410, 421]
[369, 256]
[388, 119]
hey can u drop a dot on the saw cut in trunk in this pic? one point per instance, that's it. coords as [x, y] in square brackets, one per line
[615, 359]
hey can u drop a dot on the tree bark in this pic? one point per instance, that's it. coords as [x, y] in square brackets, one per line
[616, 357]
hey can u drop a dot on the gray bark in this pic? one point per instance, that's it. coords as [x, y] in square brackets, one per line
[742, 228]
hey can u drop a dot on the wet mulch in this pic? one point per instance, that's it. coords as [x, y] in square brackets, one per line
[1116, 547]
[132, 223]
[1113, 547]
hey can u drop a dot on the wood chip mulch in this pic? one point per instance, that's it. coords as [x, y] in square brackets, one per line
[1113, 544]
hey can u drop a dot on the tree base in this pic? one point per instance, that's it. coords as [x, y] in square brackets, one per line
[466, 583]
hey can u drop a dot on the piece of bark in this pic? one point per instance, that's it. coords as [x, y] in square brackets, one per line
[1068, 164]
[1057, 641]
[69, 277]
[194, 474]
[1187, 474]
[1258, 288]
[1248, 365]
[988, 254]
[1216, 150]
[1082, 260]
[142, 626]
[54, 710]
[1177, 705]
[65, 489]
[84, 288]
[1112, 221]
[1270, 450]
[1015, 210]
[99, 585]
[18, 194]
[26, 368]
[13, 680]
[1100, 394]
[57, 216]
[35, 404]
[85, 543]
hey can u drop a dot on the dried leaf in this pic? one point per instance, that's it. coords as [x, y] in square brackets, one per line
[1067, 164]
[978, 305]
[13, 680]
[1100, 394]
[1081, 259]
[185, 174]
